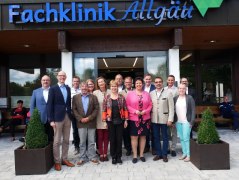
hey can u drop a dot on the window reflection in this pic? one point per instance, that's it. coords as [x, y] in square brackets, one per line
[216, 82]
[22, 83]
[84, 68]
[157, 66]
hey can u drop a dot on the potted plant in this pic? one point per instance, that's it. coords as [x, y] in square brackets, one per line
[36, 156]
[208, 152]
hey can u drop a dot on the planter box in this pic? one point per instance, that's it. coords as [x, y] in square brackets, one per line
[210, 156]
[33, 161]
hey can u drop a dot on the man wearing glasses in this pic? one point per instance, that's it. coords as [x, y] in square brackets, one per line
[161, 117]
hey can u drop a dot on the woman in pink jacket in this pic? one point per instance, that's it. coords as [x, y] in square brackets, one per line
[139, 105]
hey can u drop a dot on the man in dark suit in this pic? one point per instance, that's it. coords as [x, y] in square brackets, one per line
[85, 108]
[59, 116]
[39, 100]
[148, 86]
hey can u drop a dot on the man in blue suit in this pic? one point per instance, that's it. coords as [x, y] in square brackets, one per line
[59, 116]
[39, 100]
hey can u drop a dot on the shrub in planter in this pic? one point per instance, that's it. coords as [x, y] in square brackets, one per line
[207, 132]
[209, 152]
[36, 136]
[36, 157]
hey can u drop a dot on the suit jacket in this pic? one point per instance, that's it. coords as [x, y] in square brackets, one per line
[38, 101]
[92, 111]
[56, 106]
[190, 105]
[152, 87]
[163, 107]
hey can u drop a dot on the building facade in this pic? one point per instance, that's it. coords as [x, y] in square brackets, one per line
[132, 37]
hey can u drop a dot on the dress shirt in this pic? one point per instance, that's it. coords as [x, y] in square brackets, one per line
[45, 93]
[63, 90]
[85, 102]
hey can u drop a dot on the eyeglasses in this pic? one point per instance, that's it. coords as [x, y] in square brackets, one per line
[90, 84]
[158, 81]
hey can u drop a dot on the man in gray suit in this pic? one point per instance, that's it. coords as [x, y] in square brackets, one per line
[85, 108]
[161, 117]
[39, 100]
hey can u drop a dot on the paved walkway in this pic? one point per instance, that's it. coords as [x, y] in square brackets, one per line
[150, 170]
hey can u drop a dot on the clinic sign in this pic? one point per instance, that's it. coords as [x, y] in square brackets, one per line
[68, 12]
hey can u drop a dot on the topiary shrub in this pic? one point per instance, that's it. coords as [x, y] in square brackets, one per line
[36, 136]
[207, 133]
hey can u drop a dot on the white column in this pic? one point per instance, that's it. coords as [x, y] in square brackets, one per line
[66, 66]
[174, 63]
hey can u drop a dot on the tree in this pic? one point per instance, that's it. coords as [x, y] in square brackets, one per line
[207, 133]
[36, 136]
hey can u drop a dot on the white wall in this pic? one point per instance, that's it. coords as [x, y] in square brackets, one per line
[174, 63]
[66, 66]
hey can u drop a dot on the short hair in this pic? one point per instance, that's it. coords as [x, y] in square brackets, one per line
[118, 75]
[139, 79]
[20, 101]
[113, 83]
[158, 77]
[128, 77]
[97, 86]
[83, 83]
[147, 75]
[76, 77]
[183, 78]
[171, 76]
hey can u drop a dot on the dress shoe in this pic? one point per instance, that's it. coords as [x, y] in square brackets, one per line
[81, 162]
[142, 159]
[157, 157]
[134, 160]
[67, 163]
[168, 151]
[119, 161]
[57, 166]
[187, 159]
[128, 153]
[101, 159]
[173, 153]
[106, 158]
[114, 161]
[165, 159]
[94, 161]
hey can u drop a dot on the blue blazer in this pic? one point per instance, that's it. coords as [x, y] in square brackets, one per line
[56, 106]
[38, 101]
[152, 87]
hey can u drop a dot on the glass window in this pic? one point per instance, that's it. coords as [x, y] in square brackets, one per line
[84, 68]
[216, 82]
[52, 73]
[22, 83]
[157, 66]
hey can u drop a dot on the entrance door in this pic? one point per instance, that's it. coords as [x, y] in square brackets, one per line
[126, 66]
[134, 64]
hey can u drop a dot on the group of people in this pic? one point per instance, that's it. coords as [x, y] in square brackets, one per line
[133, 114]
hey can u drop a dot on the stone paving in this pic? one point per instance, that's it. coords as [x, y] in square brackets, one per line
[150, 170]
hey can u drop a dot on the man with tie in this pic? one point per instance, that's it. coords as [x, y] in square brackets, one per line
[59, 116]
[39, 100]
